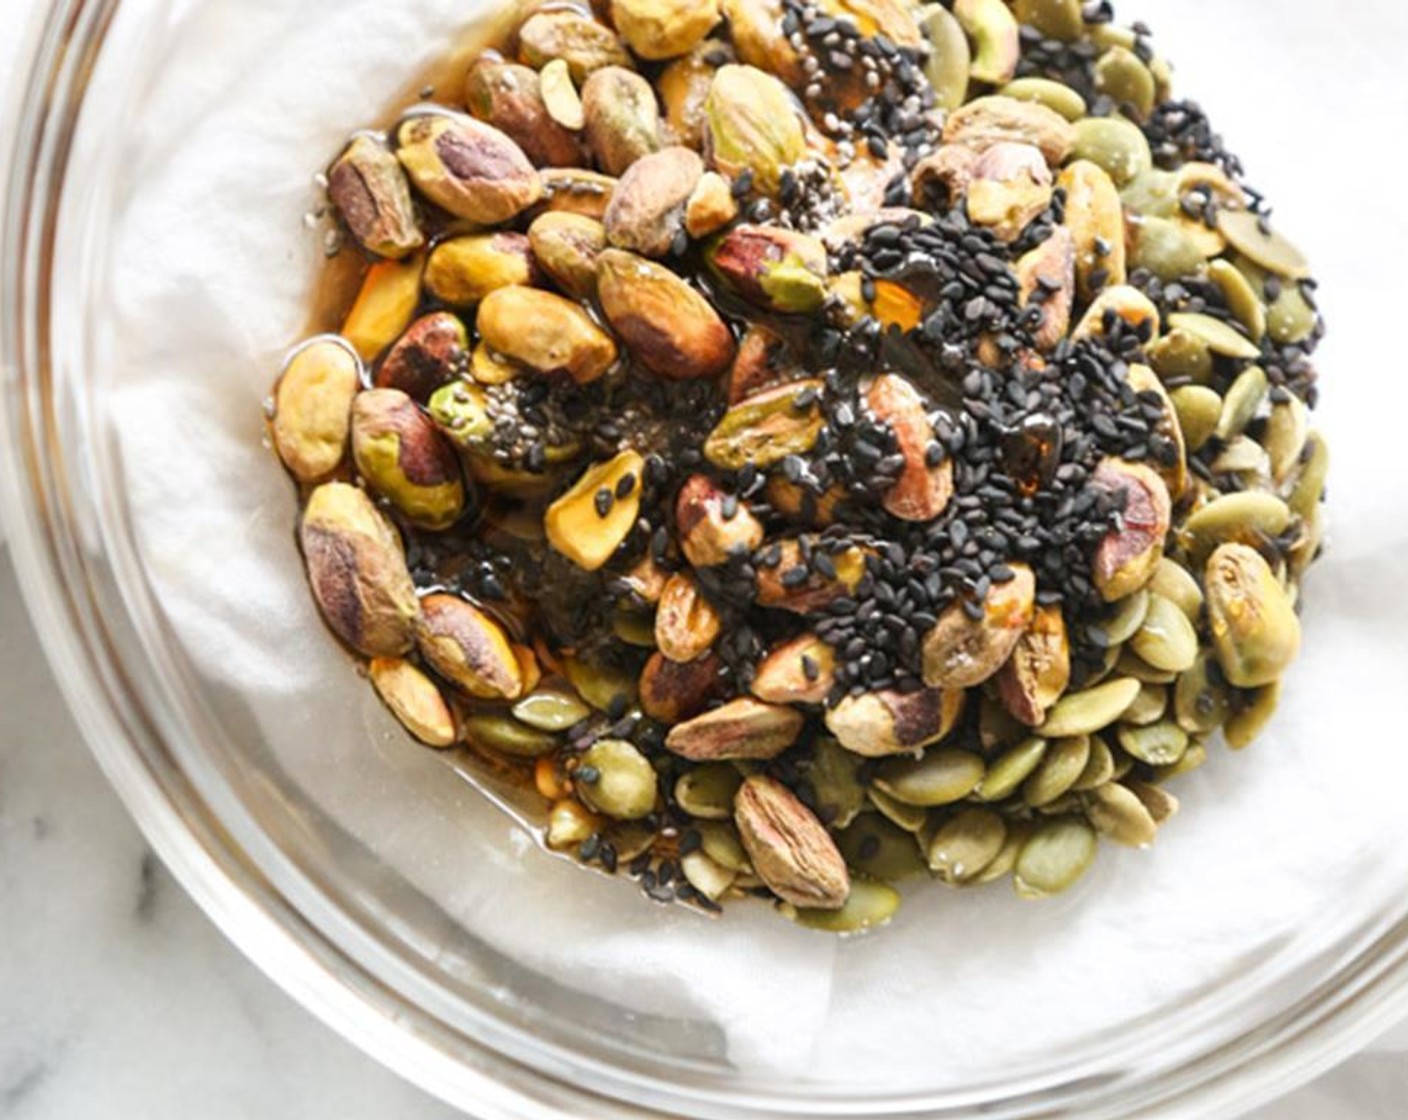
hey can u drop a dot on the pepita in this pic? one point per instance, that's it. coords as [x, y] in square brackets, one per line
[1054, 857]
[1159, 744]
[941, 777]
[1061, 767]
[1084, 713]
[965, 844]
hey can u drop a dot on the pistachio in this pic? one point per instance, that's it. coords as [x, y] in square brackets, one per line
[1249, 234]
[545, 333]
[414, 700]
[1010, 769]
[357, 570]
[707, 791]
[941, 180]
[467, 167]
[1095, 217]
[588, 529]
[1054, 857]
[756, 31]
[468, 648]
[707, 537]
[994, 120]
[941, 777]
[1047, 276]
[877, 724]
[1249, 517]
[560, 97]
[741, 729]
[893, 304]
[799, 502]
[464, 270]
[433, 351]
[949, 65]
[800, 671]
[1126, 558]
[1011, 186]
[578, 40]
[752, 126]
[767, 427]
[878, 849]
[711, 206]
[1062, 765]
[684, 87]
[1158, 744]
[622, 118]
[1113, 144]
[1084, 713]
[1037, 673]
[551, 709]
[370, 191]
[668, 326]
[496, 732]
[647, 212]
[510, 97]
[660, 29]
[921, 491]
[488, 368]
[791, 851]
[1254, 626]
[686, 623]
[764, 361]
[1199, 409]
[671, 691]
[385, 304]
[774, 269]
[1167, 639]
[993, 30]
[566, 247]
[402, 456]
[1119, 814]
[962, 652]
[573, 190]
[793, 585]
[834, 775]
[1219, 337]
[623, 785]
[313, 408]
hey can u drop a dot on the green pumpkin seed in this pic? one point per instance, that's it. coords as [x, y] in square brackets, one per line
[965, 845]
[1162, 71]
[1176, 584]
[1152, 194]
[1270, 250]
[1064, 763]
[1199, 409]
[1240, 404]
[1150, 706]
[1248, 724]
[626, 785]
[1159, 744]
[1247, 516]
[504, 735]
[631, 839]
[1084, 713]
[1219, 337]
[1011, 769]
[1201, 703]
[1108, 660]
[997, 728]
[1107, 35]
[941, 777]
[1167, 639]
[1056, 96]
[634, 628]
[868, 905]
[1161, 804]
[707, 791]
[835, 779]
[709, 878]
[719, 841]
[1130, 664]
[1018, 833]
[1287, 428]
[950, 57]
[604, 687]
[878, 849]
[1193, 758]
[1291, 319]
[911, 818]
[1241, 297]
[1181, 355]
[1055, 857]
[1115, 145]
[1121, 76]
[1244, 456]
[1056, 19]
[1309, 488]
[551, 709]
[1118, 814]
[1123, 621]
[1099, 769]
[1161, 246]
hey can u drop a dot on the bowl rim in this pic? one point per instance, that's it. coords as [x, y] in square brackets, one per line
[79, 590]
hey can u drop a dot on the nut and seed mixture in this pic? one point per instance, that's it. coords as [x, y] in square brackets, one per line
[815, 443]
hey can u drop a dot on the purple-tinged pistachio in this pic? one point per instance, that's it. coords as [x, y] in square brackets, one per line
[686, 623]
[767, 427]
[994, 120]
[707, 537]
[463, 270]
[764, 361]
[622, 118]
[467, 167]
[461, 411]
[574, 190]
[752, 126]
[560, 33]
[566, 247]
[774, 269]
[684, 87]
[357, 570]
[1039, 670]
[880, 724]
[1047, 276]
[647, 212]
[1126, 559]
[1011, 187]
[661, 29]
[993, 30]
[790, 849]
[922, 490]
[545, 333]
[673, 691]
[403, 457]
[313, 408]
[793, 584]
[384, 306]
[370, 191]
[414, 700]
[433, 352]
[1095, 217]
[589, 522]
[711, 206]
[800, 671]
[510, 97]
[665, 323]
[468, 648]
[1255, 631]
[941, 180]
[962, 652]
[741, 729]
[756, 31]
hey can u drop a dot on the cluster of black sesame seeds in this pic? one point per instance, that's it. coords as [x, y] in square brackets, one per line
[1180, 132]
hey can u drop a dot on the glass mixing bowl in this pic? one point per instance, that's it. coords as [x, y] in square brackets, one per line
[162, 157]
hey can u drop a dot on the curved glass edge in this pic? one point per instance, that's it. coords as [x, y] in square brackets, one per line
[55, 571]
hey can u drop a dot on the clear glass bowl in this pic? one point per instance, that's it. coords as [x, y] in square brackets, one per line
[1264, 939]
